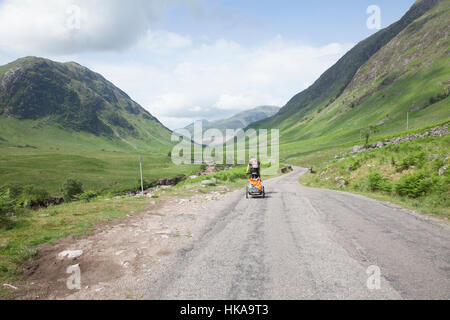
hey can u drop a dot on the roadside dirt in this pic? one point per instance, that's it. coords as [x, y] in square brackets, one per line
[121, 259]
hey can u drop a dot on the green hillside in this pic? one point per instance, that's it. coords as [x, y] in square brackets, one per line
[403, 68]
[48, 104]
[62, 120]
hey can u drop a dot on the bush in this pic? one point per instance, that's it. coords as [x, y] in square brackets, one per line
[6, 205]
[417, 159]
[377, 182]
[14, 189]
[71, 189]
[230, 175]
[414, 185]
[355, 164]
[86, 196]
[33, 195]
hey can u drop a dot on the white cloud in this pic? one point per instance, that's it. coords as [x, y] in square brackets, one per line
[58, 27]
[221, 78]
[163, 42]
[177, 77]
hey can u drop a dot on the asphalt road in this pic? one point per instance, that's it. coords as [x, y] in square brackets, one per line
[303, 243]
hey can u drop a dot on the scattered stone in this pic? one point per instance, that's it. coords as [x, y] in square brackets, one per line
[357, 149]
[435, 132]
[433, 157]
[442, 170]
[208, 182]
[7, 285]
[70, 254]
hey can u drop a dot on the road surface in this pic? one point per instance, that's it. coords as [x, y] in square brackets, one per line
[303, 243]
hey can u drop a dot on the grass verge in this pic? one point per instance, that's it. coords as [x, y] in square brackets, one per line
[412, 174]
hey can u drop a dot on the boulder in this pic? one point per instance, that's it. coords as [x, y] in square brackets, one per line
[208, 182]
[70, 254]
[357, 149]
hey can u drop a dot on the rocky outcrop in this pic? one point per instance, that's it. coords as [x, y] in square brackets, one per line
[440, 131]
[286, 169]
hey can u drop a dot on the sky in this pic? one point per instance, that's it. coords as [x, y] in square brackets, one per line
[185, 60]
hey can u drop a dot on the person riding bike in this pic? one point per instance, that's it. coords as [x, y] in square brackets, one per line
[254, 168]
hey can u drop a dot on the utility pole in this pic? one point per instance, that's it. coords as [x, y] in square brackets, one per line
[407, 121]
[142, 180]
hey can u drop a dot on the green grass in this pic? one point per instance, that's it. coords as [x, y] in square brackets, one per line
[406, 174]
[97, 170]
[21, 235]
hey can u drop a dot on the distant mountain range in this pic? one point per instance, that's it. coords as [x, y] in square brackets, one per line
[43, 102]
[238, 121]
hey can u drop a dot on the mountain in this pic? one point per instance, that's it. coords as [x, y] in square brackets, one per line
[403, 68]
[43, 102]
[240, 120]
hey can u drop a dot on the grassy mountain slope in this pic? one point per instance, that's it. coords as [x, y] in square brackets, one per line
[61, 120]
[331, 84]
[407, 71]
[240, 120]
[43, 102]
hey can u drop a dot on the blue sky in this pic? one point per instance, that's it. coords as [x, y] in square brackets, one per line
[315, 22]
[194, 59]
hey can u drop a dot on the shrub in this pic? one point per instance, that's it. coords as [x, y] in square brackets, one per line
[33, 195]
[417, 159]
[377, 182]
[355, 164]
[437, 164]
[70, 189]
[14, 189]
[6, 205]
[393, 162]
[230, 175]
[414, 185]
[86, 196]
